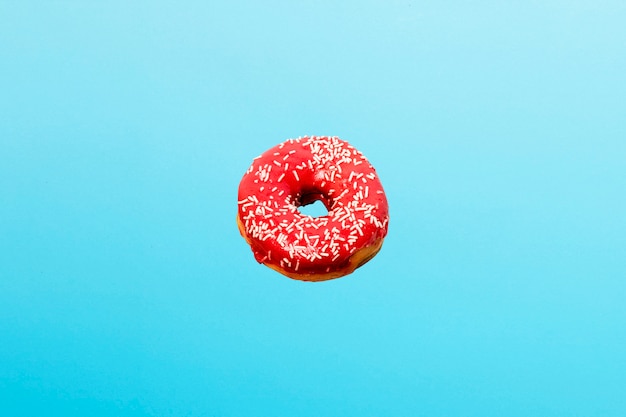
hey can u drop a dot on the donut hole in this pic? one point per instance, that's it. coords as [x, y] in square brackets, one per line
[313, 203]
[314, 209]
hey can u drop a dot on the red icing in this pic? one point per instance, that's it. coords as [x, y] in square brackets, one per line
[298, 172]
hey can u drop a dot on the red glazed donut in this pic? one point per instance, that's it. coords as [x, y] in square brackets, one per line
[301, 171]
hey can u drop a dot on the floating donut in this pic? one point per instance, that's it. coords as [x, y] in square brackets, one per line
[299, 172]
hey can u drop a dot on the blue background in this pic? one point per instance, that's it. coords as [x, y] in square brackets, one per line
[497, 128]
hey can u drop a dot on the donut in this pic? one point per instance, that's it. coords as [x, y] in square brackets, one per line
[299, 172]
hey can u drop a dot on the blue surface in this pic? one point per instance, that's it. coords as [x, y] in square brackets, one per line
[498, 131]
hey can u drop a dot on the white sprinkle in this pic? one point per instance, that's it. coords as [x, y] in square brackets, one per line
[345, 216]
